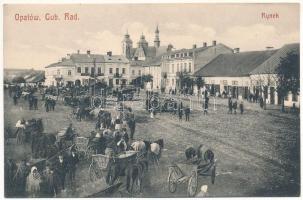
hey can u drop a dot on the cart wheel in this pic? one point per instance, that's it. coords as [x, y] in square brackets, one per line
[213, 175]
[94, 173]
[172, 181]
[192, 185]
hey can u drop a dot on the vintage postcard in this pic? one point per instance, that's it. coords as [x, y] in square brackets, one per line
[151, 100]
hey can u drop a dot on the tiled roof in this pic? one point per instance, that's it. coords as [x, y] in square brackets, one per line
[115, 58]
[66, 62]
[270, 65]
[234, 64]
[87, 58]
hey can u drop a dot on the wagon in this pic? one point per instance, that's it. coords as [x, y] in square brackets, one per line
[188, 172]
[101, 164]
[81, 144]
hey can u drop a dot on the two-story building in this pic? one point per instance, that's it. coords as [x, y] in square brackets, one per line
[113, 69]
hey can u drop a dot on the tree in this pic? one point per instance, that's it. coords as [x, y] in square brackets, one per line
[140, 80]
[199, 82]
[288, 76]
[18, 79]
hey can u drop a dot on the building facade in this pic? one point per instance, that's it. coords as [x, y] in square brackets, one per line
[112, 69]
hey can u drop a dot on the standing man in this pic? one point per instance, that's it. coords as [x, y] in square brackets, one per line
[241, 107]
[187, 112]
[235, 105]
[230, 105]
[206, 105]
[180, 111]
[61, 170]
[72, 166]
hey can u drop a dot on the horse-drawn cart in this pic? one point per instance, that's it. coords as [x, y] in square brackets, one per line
[81, 144]
[189, 172]
[102, 164]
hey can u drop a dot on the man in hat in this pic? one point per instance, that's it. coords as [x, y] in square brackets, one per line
[61, 169]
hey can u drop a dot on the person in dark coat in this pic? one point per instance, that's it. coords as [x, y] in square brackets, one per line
[241, 107]
[15, 99]
[261, 102]
[132, 127]
[187, 112]
[46, 104]
[206, 105]
[230, 106]
[49, 186]
[72, 166]
[61, 170]
[235, 105]
[180, 111]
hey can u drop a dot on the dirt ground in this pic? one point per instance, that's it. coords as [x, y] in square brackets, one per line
[257, 153]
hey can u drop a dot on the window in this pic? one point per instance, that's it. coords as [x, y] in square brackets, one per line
[92, 71]
[133, 72]
[117, 81]
[79, 69]
[139, 72]
[123, 70]
[224, 82]
[69, 72]
[99, 70]
[190, 53]
[117, 70]
[110, 70]
[234, 82]
[177, 55]
[58, 72]
[86, 70]
[185, 54]
[189, 68]
[172, 68]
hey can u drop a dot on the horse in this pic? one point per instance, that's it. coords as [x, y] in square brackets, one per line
[156, 150]
[135, 174]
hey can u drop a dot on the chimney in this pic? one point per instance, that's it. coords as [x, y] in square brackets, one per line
[88, 52]
[78, 51]
[236, 50]
[214, 42]
[204, 44]
[194, 46]
[109, 53]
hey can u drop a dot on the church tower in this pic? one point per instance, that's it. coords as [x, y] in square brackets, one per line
[157, 38]
[127, 44]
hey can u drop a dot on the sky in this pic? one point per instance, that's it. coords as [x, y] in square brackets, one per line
[101, 28]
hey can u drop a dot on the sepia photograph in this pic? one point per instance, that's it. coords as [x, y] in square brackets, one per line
[151, 100]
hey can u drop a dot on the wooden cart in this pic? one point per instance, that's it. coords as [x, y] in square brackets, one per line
[101, 163]
[187, 172]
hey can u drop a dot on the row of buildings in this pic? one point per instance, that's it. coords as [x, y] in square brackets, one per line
[223, 69]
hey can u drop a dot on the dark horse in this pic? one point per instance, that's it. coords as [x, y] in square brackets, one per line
[134, 173]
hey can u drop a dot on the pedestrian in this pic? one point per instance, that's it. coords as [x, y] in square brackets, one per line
[46, 104]
[206, 105]
[49, 183]
[15, 99]
[33, 183]
[187, 112]
[241, 107]
[72, 166]
[132, 127]
[230, 105]
[180, 111]
[35, 103]
[261, 102]
[235, 105]
[61, 169]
